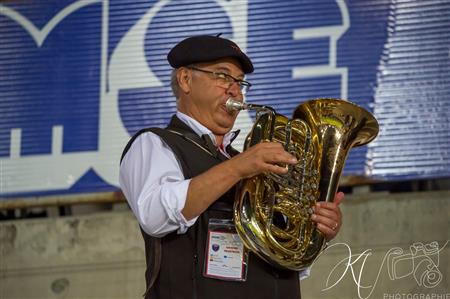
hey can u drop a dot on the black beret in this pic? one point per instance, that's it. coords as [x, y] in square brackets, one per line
[205, 48]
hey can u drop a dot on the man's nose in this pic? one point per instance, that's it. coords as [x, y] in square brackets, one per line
[234, 89]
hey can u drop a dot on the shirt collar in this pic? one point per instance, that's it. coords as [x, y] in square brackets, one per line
[200, 129]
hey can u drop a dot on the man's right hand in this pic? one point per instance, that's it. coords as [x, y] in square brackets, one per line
[265, 156]
[207, 187]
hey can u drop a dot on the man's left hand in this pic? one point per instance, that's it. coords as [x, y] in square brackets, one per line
[328, 216]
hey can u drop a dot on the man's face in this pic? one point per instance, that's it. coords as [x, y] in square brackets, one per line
[207, 97]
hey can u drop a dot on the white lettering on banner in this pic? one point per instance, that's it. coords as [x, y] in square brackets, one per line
[334, 33]
[62, 170]
[127, 68]
[244, 123]
[25, 174]
[39, 36]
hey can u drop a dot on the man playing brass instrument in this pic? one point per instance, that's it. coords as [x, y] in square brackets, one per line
[179, 182]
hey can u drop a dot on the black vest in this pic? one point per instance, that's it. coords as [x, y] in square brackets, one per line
[183, 255]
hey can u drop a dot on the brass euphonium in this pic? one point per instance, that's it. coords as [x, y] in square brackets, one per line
[272, 213]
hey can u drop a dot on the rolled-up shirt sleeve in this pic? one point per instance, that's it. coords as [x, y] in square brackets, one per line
[154, 186]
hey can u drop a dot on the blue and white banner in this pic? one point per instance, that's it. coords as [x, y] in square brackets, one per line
[77, 78]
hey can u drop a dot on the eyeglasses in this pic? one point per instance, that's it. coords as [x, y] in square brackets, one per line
[225, 80]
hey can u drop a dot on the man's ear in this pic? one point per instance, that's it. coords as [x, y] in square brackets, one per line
[184, 77]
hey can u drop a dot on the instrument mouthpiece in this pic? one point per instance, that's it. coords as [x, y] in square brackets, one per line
[233, 105]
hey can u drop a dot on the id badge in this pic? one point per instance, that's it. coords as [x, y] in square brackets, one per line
[226, 257]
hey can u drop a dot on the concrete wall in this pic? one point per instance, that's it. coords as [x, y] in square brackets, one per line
[101, 255]
[374, 226]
